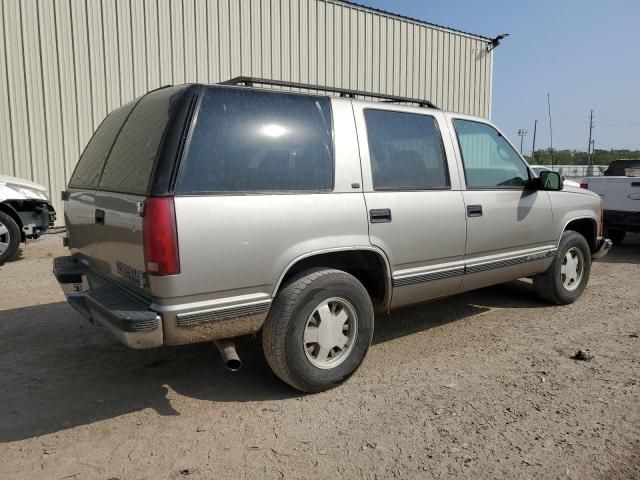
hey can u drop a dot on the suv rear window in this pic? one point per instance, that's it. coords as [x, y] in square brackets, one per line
[252, 141]
[91, 162]
[132, 158]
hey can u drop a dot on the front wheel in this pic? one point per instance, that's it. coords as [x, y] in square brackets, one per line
[567, 277]
[318, 330]
[9, 237]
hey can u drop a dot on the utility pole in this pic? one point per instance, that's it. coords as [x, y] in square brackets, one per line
[550, 129]
[589, 164]
[533, 148]
[522, 133]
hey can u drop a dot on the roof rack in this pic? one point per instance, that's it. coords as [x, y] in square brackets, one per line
[344, 92]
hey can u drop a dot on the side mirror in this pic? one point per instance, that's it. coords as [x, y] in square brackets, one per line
[550, 181]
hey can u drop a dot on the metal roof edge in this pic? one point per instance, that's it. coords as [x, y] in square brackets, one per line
[351, 4]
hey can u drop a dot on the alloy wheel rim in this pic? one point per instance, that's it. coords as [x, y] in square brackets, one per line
[5, 238]
[330, 333]
[572, 268]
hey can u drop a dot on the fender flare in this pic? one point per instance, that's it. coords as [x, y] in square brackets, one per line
[573, 219]
[356, 248]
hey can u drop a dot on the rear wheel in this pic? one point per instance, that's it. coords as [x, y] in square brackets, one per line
[9, 237]
[567, 277]
[616, 236]
[318, 330]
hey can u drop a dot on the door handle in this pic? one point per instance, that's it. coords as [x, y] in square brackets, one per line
[100, 216]
[474, 210]
[380, 215]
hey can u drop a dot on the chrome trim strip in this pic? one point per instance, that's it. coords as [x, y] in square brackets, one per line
[532, 257]
[225, 313]
[428, 277]
[467, 269]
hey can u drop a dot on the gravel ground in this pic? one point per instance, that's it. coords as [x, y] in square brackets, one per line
[475, 386]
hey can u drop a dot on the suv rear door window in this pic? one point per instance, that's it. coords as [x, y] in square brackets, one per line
[132, 158]
[91, 162]
[252, 141]
[489, 160]
[406, 151]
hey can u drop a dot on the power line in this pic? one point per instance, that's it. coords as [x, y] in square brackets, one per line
[522, 133]
[550, 128]
[533, 147]
[590, 168]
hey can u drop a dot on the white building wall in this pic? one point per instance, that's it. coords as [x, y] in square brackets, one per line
[64, 64]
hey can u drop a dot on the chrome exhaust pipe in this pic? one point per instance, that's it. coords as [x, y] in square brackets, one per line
[229, 354]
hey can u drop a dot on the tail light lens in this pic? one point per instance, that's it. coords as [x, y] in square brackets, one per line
[160, 234]
[584, 185]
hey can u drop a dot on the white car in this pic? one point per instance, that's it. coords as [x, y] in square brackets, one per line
[567, 183]
[25, 212]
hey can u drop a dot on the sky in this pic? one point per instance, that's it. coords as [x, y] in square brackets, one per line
[584, 53]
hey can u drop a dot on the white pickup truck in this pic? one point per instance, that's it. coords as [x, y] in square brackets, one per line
[619, 189]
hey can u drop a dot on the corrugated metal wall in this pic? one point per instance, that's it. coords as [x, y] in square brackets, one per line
[64, 64]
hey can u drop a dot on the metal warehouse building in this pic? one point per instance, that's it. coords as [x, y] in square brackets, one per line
[65, 64]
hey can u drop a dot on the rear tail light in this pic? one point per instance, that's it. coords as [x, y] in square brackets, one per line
[160, 234]
[584, 185]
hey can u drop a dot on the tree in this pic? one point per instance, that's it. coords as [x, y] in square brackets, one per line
[576, 157]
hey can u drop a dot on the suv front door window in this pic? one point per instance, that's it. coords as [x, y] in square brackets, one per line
[489, 160]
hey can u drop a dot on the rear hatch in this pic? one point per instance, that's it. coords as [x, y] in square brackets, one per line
[130, 158]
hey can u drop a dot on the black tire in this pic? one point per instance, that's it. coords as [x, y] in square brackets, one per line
[549, 286]
[13, 234]
[283, 331]
[616, 236]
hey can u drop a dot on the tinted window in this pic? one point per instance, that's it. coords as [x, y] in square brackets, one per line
[406, 151]
[618, 167]
[131, 161]
[92, 160]
[248, 141]
[489, 160]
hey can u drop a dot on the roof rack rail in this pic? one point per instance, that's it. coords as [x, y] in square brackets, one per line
[344, 92]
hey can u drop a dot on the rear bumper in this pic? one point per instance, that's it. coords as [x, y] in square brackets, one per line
[623, 220]
[139, 323]
[604, 245]
[127, 316]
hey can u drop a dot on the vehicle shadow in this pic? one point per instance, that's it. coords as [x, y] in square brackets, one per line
[628, 252]
[15, 258]
[423, 316]
[60, 372]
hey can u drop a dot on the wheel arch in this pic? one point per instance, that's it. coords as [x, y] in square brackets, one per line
[586, 226]
[355, 261]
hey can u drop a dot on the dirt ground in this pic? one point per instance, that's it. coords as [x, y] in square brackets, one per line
[480, 385]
